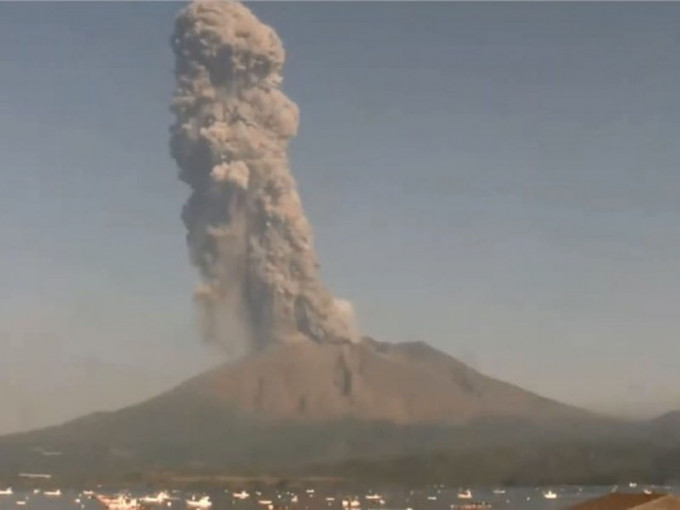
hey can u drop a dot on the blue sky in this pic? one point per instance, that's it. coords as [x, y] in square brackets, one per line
[499, 179]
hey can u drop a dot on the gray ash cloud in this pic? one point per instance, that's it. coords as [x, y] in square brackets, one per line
[247, 231]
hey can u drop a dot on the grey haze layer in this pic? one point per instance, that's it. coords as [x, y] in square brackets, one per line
[247, 232]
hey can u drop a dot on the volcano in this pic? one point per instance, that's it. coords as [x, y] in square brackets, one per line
[402, 384]
[299, 404]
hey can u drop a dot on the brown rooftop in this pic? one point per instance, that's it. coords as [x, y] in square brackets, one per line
[629, 501]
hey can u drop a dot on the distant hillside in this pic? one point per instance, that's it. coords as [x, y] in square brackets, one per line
[577, 462]
[666, 428]
[291, 406]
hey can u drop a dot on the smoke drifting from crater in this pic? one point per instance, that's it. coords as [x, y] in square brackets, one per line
[247, 232]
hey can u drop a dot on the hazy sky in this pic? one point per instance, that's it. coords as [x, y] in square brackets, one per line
[499, 180]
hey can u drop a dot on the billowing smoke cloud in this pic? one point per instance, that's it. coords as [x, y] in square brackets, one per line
[247, 232]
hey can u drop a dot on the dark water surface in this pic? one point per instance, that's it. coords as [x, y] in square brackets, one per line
[435, 498]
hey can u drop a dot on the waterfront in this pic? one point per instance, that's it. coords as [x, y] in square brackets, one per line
[432, 498]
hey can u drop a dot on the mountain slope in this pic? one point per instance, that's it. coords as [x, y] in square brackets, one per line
[666, 428]
[302, 403]
[371, 381]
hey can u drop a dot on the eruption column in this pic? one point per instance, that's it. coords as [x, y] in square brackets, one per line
[247, 232]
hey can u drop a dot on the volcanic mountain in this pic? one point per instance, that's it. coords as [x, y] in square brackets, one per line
[301, 403]
[403, 384]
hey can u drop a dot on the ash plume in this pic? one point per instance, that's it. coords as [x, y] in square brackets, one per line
[247, 232]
